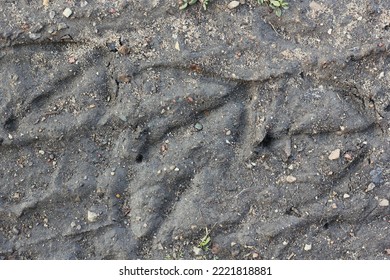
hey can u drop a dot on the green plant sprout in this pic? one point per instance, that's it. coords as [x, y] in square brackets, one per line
[276, 5]
[183, 4]
[205, 241]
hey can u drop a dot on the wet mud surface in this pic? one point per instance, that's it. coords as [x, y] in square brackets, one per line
[131, 129]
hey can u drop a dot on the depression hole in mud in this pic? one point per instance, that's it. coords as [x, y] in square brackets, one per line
[139, 158]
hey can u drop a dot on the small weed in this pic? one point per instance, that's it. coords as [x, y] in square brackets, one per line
[205, 241]
[276, 5]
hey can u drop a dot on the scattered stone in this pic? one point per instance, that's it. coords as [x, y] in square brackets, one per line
[348, 157]
[15, 230]
[177, 46]
[92, 216]
[255, 255]
[383, 202]
[177, 169]
[285, 243]
[197, 251]
[52, 14]
[35, 36]
[16, 195]
[346, 195]
[67, 12]
[287, 149]
[78, 227]
[291, 179]
[233, 4]
[112, 46]
[72, 59]
[387, 251]
[10, 137]
[123, 50]
[61, 26]
[370, 187]
[334, 205]
[334, 154]
[228, 132]
[41, 152]
[83, 4]
[73, 224]
[124, 78]
[45, 3]
[307, 247]
[198, 126]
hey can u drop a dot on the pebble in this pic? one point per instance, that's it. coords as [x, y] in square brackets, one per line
[177, 169]
[45, 3]
[78, 227]
[124, 78]
[177, 46]
[51, 30]
[123, 50]
[346, 195]
[348, 157]
[233, 4]
[92, 216]
[370, 187]
[61, 26]
[197, 251]
[384, 202]
[228, 132]
[10, 137]
[198, 126]
[67, 12]
[334, 154]
[307, 247]
[35, 36]
[16, 195]
[73, 224]
[52, 14]
[83, 4]
[291, 179]
[41, 152]
[15, 230]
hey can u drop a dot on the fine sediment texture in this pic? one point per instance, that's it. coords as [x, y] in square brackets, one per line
[130, 129]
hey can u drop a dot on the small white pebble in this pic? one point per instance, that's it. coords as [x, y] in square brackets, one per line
[233, 4]
[67, 12]
[346, 195]
[370, 187]
[383, 202]
[307, 247]
[291, 179]
[335, 154]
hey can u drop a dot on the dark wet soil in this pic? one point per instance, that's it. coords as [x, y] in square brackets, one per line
[131, 129]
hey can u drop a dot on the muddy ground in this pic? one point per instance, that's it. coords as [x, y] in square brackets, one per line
[130, 129]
